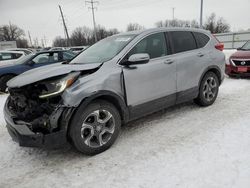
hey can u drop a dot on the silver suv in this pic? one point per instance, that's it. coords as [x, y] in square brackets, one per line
[118, 79]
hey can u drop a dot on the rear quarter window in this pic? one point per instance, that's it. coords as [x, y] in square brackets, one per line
[16, 55]
[182, 41]
[201, 39]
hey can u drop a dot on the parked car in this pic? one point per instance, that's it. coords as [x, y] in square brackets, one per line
[239, 62]
[31, 61]
[118, 79]
[26, 51]
[57, 48]
[77, 49]
[9, 57]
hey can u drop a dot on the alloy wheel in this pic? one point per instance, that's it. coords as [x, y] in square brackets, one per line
[97, 128]
[210, 89]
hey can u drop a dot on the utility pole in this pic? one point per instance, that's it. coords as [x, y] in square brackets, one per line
[45, 41]
[42, 43]
[30, 39]
[93, 15]
[64, 25]
[201, 14]
[173, 12]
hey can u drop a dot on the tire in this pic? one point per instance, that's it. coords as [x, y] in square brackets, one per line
[208, 91]
[95, 128]
[3, 82]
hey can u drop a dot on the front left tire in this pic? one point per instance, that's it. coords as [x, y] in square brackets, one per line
[95, 128]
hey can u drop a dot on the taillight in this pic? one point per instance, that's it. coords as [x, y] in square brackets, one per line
[219, 46]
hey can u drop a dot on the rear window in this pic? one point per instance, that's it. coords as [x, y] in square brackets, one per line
[182, 41]
[201, 39]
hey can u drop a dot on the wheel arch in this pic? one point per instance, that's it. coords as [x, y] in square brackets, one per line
[112, 98]
[215, 70]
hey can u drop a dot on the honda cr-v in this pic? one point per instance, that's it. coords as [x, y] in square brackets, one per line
[116, 80]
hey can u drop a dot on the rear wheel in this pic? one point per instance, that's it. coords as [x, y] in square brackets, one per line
[208, 90]
[3, 82]
[95, 128]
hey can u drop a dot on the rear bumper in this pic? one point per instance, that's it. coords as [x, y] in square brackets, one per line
[22, 134]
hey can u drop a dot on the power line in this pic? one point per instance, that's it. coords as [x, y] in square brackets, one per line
[92, 3]
[65, 27]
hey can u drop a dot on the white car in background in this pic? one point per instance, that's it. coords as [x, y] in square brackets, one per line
[9, 57]
[25, 50]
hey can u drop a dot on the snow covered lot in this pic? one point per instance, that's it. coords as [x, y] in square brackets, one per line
[184, 146]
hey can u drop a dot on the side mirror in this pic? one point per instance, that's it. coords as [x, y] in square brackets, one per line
[136, 59]
[239, 48]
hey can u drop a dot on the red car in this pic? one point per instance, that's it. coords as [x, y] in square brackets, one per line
[239, 63]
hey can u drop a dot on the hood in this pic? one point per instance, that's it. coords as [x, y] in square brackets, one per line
[241, 54]
[48, 71]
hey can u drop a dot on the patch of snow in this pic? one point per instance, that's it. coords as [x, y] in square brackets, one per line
[184, 146]
[228, 52]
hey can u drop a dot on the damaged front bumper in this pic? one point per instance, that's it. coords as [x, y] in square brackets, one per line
[21, 132]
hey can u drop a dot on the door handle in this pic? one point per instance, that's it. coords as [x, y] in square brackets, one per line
[168, 61]
[200, 54]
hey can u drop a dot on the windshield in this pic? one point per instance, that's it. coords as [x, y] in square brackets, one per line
[103, 50]
[246, 46]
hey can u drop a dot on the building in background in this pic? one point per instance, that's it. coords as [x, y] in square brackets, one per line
[7, 45]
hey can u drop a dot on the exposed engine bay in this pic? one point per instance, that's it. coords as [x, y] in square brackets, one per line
[40, 115]
[39, 105]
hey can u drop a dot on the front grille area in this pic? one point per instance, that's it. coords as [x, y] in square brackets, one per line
[27, 107]
[241, 62]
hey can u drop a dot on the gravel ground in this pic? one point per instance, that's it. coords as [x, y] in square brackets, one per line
[184, 146]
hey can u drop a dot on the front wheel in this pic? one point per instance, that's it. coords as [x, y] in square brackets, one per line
[208, 90]
[95, 128]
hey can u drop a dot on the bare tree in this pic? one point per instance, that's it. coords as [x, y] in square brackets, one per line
[102, 32]
[59, 42]
[177, 23]
[134, 26]
[11, 32]
[78, 37]
[222, 26]
[85, 35]
[210, 23]
[159, 24]
[216, 26]
[22, 43]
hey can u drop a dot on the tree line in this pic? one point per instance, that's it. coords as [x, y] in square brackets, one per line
[82, 36]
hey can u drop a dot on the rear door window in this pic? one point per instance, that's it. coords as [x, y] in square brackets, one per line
[182, 41]
[201, 39]
[46, 58]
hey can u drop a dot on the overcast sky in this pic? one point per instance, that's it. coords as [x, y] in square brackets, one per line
[42, 17]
